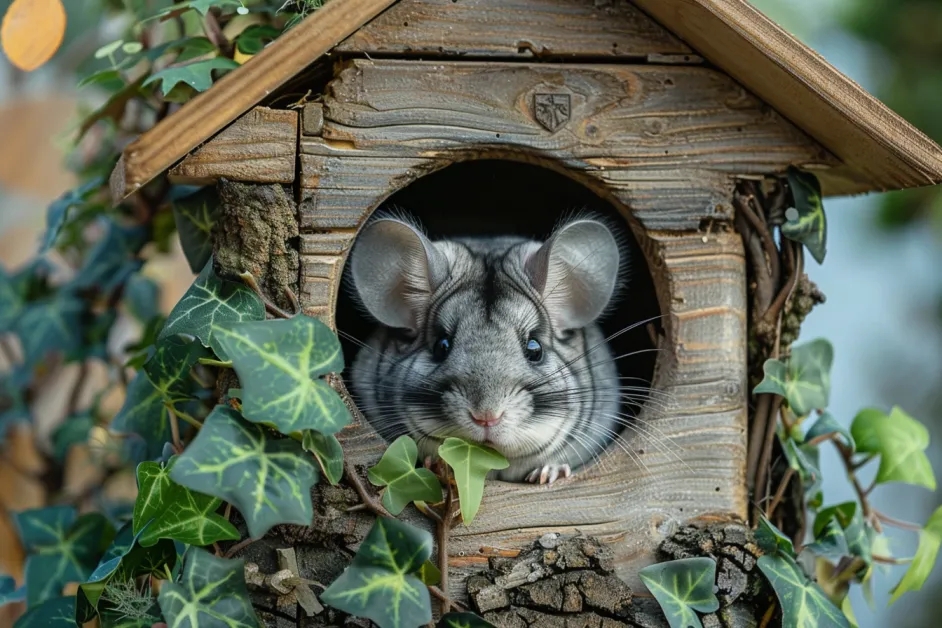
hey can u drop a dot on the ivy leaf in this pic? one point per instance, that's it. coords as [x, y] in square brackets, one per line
[682, 587]
[429, 573]
[806, 222]
[857, 533]
[900, 441]
[171, 511]
[12, 387]
[57, 214]
[280, 364]
[805, 381]
[404, 483]
[827, 424]
[930, 539]
[326, 448]
[268, 480]
[209, 302]
[72, 431]
[53, 324]
[463, 620]
[9, 591]
[57, 612]
[804, 460]
[197, 74]
[168, 369]
[62, 548]
[253, 38]
[195, 216]
[113, 258]
[830, 543]
[471, 463]
[142, 296]
[212, 593]
[771, 539]
[379, 584]
[11, 302]
[803, 602]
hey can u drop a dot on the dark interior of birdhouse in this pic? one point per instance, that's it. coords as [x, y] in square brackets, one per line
[500, 197]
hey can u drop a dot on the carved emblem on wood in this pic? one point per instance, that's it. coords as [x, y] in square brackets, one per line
[552, 110]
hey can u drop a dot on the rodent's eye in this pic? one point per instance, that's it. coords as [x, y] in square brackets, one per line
[534, 350]
[441, 348]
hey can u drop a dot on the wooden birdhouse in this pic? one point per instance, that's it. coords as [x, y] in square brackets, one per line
[674, 115]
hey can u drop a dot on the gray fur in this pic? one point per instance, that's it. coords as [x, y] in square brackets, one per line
[489, 295]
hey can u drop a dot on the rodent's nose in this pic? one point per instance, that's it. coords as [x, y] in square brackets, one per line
[488, 418]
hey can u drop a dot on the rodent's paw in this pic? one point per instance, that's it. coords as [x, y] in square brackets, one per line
[547, 474]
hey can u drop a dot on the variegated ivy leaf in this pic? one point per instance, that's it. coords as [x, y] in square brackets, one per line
[805, 381]
[806, 222]
[404, 483]
[195, 216]
[51, 325]
[61, 548]
[930, 540]
[124, 560]
[429, 573]
[771, 539]
[57, 612]
[9, 592]
[803, 602]
[380, 584]
[471, 463]
[827, 424]
[326, 448]
[857, 533]
[57, 214]
[113, 258]
[682, 587]
[463, 620]
[268, 480]
[901, 443]
[195, 74]
[171, 511]
[212, 301]
[830, 542]
[211, 593]
[280, 363]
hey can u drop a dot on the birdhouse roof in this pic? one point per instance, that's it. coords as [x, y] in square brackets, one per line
[878, 150]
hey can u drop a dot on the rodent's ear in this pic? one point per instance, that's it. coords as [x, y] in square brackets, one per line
[395, 271]
[576, 271]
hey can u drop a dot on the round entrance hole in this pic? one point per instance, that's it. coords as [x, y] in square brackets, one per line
[499, 198]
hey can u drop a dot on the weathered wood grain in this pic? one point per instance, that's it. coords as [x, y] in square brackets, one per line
[260, 146]
[879, 148]
[515, 29]
[688, 454]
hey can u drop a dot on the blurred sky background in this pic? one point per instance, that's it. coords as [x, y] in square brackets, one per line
[882, 274]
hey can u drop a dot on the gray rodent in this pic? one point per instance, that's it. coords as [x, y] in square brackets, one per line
[491, 339]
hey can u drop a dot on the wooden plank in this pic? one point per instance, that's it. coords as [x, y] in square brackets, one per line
[640, 117]
[260, 146]
[692, 459]
[515, 29]
[880, 149]
[235, 93]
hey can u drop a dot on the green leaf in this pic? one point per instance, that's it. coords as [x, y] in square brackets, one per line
[58, 612]
[429, 573]
[112, 259]
[62, 548]
[326, 448]
[771, 539]
[379, 584]
[805, 381]
[51, 325]
[279, 363]
[800, 459]
[174, 512]
[900, 441]
[11, 302]
[404, 483]
[210, 302]
[195, 216]
[9, 591]
[930, 539]
[830, 543]
[471, 463]
[268, 480]
[253, 38]
[142, 296]
[463, 620]
[827, 424]
[57, 215]
[682, 587]
[72, 431]
[212, 593]
[197, 74]
[804, 604]
[806, 222]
